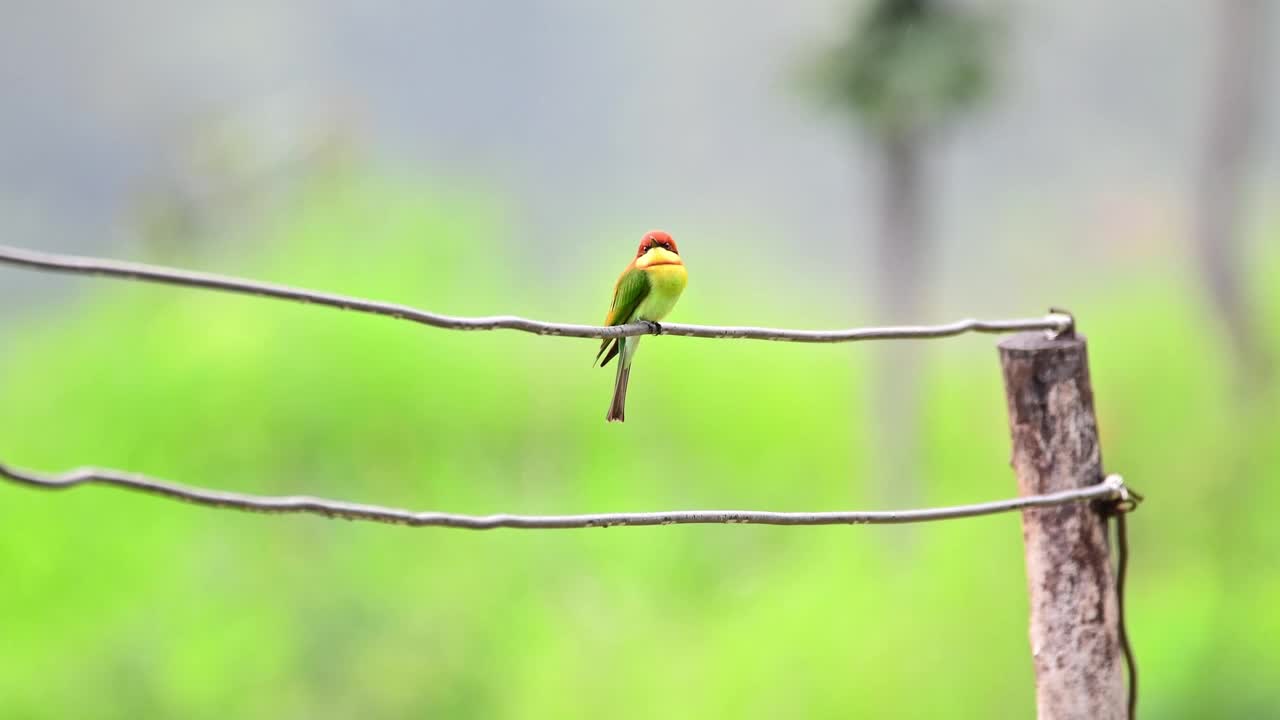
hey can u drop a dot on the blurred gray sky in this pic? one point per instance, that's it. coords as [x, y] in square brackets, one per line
[588, 119]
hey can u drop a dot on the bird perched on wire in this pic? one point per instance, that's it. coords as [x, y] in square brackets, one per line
[645, 292]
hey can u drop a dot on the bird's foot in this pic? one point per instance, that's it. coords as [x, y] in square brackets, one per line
[654, 327]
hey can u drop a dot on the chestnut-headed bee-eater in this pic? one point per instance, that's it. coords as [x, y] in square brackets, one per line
[645, 292]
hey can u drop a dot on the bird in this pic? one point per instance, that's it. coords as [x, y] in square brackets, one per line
[645, 292]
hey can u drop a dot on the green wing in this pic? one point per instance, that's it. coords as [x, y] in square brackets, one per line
[631, 290]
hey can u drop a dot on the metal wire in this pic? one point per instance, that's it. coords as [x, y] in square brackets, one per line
[1122, 571]
[1111, 488]
[1055, 322]
[1127, 502]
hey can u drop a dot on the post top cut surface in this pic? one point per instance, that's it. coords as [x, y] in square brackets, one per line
[1038, 340]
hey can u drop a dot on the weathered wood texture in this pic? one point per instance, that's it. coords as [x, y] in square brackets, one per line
[1074, 615]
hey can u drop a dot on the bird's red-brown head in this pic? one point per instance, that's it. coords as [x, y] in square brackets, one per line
[657, 239]
[657, 248]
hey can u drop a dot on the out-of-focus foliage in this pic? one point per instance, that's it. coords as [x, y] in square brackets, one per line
[118, 605]
[910, 64]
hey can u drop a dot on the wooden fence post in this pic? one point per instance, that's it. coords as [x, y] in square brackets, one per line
[1075, 640]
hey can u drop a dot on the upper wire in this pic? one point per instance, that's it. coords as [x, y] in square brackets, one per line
[1054, 322]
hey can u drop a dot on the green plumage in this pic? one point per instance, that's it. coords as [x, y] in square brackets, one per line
[632, 289]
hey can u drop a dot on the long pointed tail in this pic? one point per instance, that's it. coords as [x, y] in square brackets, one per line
[618, 408]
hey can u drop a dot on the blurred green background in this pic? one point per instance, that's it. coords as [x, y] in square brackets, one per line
[119, 605]
[929, 161]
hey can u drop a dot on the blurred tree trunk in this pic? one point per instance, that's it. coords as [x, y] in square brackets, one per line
[1221, 178]
[901, 229]
[900, 285]
[906, 71]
